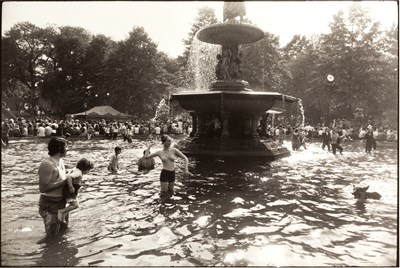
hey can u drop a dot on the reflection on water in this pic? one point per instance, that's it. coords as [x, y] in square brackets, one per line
[297, 211]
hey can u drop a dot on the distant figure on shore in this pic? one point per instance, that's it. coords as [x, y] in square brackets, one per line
[145, 164]
[233, 10]
[70, 191]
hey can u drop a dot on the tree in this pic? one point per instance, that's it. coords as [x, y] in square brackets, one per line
[262, 64]
[132, 72]
[65, 84]
[351, 52]
[25, 53]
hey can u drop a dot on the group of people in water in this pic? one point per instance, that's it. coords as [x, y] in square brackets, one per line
[332, 139]
[59, 188]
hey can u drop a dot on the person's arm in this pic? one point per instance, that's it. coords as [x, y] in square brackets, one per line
[45, 175]
[147, 154]
[180, 154]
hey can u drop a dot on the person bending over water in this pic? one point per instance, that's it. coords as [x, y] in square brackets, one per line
[167, 156]
[146, 164]
[70, 191]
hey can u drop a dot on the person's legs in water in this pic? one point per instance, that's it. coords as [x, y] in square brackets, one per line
[167, 179]
[164, 195]
[48, 209]
[171, 188]
[63, 212]
[340, 148]
[334, 148]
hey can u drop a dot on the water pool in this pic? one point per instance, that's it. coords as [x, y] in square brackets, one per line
[296, 211]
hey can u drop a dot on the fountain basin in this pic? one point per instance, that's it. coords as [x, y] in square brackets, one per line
[239, 112]
[249, 102]
[253, 147]
[227, 33]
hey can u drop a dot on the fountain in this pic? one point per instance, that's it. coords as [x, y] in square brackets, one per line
[225, 118]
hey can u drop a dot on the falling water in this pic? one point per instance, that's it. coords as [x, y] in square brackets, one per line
[202, 63]
[162, 110]
[300, 104]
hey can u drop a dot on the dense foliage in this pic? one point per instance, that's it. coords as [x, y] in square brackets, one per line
[72, 69]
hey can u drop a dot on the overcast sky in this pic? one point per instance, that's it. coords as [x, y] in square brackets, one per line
[168, 23]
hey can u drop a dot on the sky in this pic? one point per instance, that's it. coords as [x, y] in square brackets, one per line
[168, 23]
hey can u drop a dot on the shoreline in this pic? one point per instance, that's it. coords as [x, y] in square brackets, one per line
[175, 136]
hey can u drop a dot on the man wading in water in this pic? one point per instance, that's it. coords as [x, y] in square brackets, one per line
[167, 156]
[52, 178]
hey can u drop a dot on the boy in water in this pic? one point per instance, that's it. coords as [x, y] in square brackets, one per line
[70, 191]
[114, 165]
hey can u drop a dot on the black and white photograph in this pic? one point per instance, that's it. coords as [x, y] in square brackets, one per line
[200, 133]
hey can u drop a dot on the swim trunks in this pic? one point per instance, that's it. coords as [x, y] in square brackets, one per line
[167, 176]
[48, 208]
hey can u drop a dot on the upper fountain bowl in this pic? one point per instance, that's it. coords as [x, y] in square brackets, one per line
[230, 32]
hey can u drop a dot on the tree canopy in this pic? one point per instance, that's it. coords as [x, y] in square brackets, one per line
[73, 69]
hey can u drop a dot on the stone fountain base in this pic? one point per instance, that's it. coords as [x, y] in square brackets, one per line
[252, 147]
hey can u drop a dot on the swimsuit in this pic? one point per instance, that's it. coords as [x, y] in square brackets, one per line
[167, 175]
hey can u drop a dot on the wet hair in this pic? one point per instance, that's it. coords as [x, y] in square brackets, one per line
[116, 149]
[84, 165]
[144, 152]
[164, 138]
[56, 145]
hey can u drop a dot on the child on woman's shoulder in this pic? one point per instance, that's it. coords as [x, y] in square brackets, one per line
[74, 182]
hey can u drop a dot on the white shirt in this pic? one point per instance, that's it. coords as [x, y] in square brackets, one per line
[362, 134]
[40, 132]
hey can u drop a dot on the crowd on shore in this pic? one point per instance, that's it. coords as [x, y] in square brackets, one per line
[109, 129]
[113, 129]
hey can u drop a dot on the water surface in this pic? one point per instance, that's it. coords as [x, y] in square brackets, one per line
[297, 211]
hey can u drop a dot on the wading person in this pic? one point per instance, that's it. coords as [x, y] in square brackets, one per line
[113, 166]
[326, 139]
[335, 141]
[167, 156]
[51, 182]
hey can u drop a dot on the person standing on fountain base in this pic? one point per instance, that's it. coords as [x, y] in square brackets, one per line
[167, 156]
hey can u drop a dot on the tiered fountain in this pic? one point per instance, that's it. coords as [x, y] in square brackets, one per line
[230, 103]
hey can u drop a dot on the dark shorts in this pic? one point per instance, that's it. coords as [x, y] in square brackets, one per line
[48, 208]
[67, 194]
[167, 176]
